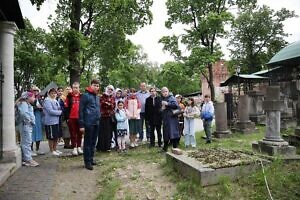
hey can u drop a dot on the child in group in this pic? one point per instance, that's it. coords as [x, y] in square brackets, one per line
[122, 126]
[190, 112]
[133, 108]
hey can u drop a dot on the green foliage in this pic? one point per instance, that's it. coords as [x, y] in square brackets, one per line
[174, 74]
[100, 44]
[204, 23]
[33, 63]
[257, 34]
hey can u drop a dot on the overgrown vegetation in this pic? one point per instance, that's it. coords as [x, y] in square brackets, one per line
[283, 178]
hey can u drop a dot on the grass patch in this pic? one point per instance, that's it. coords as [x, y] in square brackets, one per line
[109, 190]
[237, 141]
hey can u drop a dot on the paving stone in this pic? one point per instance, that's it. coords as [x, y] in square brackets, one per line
[32, 183]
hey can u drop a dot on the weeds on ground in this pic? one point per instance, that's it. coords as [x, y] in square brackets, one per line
[283, 179]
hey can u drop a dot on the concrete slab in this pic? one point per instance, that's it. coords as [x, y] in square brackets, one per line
[205, 175]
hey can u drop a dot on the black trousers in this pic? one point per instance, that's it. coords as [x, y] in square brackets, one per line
[154, 127]
[105, 134]
[174, 143]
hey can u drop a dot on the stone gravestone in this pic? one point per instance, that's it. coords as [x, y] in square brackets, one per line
[273, 144]
[295, 139]
[243, 124]
[286, 117]
[229, 102]
[221, 120]
[256, 112]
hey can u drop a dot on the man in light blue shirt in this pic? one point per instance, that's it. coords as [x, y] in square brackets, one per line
[207, 115]
[142, 95]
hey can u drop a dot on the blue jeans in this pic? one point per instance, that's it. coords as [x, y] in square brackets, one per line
[89, 143]
[141, 127]
[26, 140]
[189, 132]
[207, 129]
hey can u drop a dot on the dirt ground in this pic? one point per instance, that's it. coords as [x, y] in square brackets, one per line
[138, 175]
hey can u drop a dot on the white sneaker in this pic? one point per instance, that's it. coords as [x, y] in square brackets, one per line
[39, 152]
[136, 144]
[33, 154]
[79, 150]
[61, 143]
[59, 152]
[55, 153]
[31, 163]
[132, 145]
[75, 152]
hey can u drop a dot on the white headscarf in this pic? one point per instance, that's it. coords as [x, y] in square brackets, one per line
[107, 91]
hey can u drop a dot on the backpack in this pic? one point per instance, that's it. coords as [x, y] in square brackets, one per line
[18, 118]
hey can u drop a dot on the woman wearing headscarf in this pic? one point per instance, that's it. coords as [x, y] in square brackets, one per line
[107, 109]
[37, 132]
[170, 122]
[25, 124]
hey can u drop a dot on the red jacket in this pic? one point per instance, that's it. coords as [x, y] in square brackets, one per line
[74, 101]
[107, 105]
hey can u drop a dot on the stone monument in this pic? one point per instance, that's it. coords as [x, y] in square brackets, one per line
[295, 139]
[273, 144]
[286, 117]
[243, 124]
[256, 112]
[221, 120]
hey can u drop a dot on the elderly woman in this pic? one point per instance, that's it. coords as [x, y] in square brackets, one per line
[25, 124]
[37, 132]
[170, 122]
[107, 109]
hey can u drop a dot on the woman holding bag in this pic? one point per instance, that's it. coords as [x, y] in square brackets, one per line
[170, 121]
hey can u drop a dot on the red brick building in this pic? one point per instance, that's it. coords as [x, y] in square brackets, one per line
[221, 73]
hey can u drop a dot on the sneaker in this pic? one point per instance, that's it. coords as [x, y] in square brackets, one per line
[79, 150]
[55, 153]
[61, 143]
[59, 152]
[75, 152]
[132, 145]
[33, 154]
[39, 152]
[31, 163]
[136, 144]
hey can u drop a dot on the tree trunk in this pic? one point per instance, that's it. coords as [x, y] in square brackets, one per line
[211, 82]
[74, 42]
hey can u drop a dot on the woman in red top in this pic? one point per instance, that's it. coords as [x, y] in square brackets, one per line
[107, 109]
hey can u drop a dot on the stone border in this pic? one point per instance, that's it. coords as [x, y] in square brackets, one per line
[205, 176]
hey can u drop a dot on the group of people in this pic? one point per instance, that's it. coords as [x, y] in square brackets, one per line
[105, 120]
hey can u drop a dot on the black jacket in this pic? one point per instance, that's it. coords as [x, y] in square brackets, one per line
[153, 113]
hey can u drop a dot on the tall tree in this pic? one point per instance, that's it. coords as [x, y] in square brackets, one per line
[92, 32]
[257, 34]
[204, 23]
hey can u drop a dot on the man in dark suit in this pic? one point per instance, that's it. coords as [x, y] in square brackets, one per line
[153, 115]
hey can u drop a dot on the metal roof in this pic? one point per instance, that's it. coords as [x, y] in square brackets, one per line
[288, 56]
[265, 71]
[243, 78]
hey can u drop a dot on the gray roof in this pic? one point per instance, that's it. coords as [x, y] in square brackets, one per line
[48, 87]
[234, 79]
